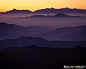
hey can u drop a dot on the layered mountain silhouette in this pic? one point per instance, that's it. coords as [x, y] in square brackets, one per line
[15, 11]
[66, 33]
[62, 10]
[24, 41]
[15, 31]
[41, 47]
[34, 57]
[48, 10]
[61, 15]
[58, 15]
[76, 36]
[35, 16]
[9, 31]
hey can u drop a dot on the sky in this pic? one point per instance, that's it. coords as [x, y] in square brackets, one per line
[33, 5]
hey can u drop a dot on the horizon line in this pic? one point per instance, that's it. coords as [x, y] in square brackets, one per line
[42, 8]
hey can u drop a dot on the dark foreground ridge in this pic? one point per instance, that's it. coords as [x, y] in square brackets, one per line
[34, 57]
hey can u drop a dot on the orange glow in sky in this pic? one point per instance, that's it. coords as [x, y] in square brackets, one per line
[33, 5]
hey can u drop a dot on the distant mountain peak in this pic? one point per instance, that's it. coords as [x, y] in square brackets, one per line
[61, 15]
[14, 9]
[18, 11]
[52, 8]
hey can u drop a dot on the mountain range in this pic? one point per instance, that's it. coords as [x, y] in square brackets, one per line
[34, 57]
[66, 33]
[41, 47]
[58, 15]
[16, 11]
[12, 31]
[15, 31]
[47, 10]
[25, 41]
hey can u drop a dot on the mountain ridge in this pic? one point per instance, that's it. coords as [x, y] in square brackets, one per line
[58, 33]
[15, 31]
[41, 42]
[34, 57]
[48, 10]
[58, 15]
[16, 49]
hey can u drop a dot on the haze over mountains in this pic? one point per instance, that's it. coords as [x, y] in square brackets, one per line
[10, 31]
[24, 41]
[48, 10]
[58, 15]
[66, 33]
[44, 39]
[14, 31]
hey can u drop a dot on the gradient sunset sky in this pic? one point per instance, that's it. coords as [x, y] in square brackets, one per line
[33, 5]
